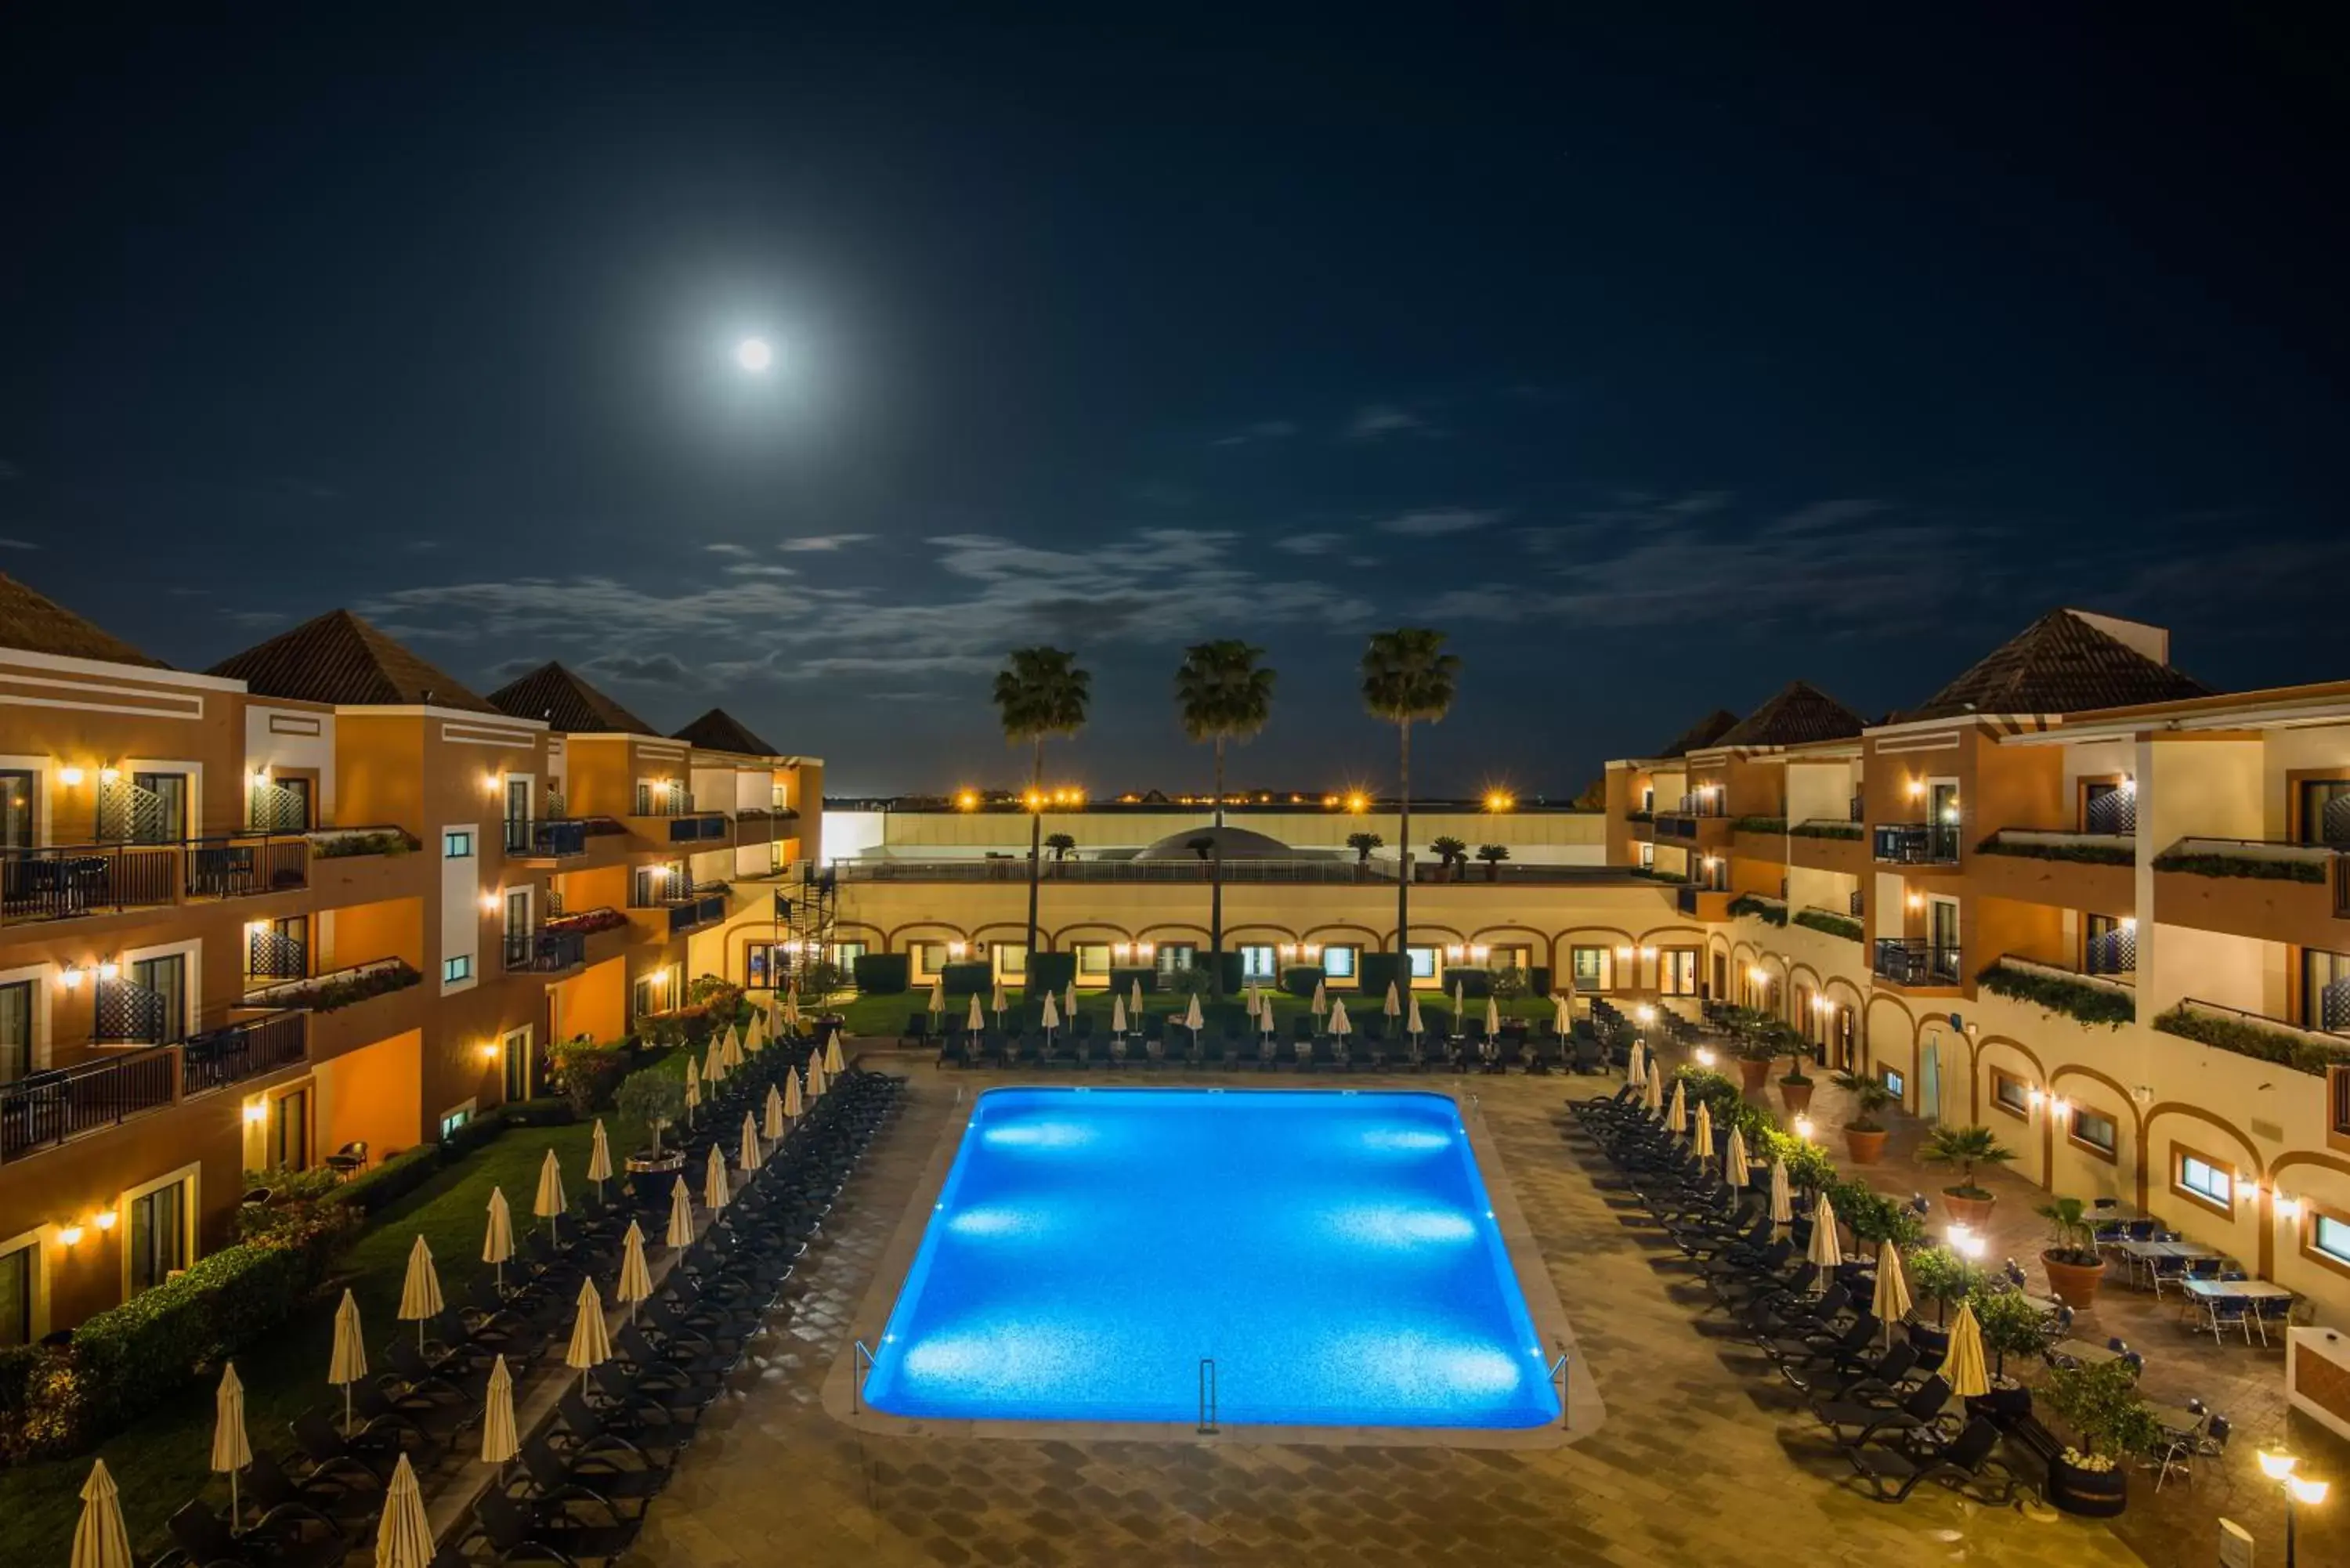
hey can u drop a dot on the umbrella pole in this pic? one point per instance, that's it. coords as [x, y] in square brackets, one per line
[233, 1506]
[346, 1409]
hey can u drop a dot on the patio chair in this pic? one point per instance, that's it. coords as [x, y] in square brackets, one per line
[350, 1159]
[2276, 1310]
[1964, 1464]
[2178, 1449]
[1852, 1422]
[917, 1030]
[511, 1526]
[288, 1536]
[372, 1451]
[348, 1493]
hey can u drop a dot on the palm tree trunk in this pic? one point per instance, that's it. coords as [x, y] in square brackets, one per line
[1403, 876]
[1035, 854]
[1216, 885]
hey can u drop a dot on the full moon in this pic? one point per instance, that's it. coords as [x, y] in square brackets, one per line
[754, 354]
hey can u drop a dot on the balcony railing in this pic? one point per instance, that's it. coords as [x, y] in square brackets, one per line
[128, 1014]
[273, 955]
[547, 838]
[700, 827]
[668, 801]
[339, 988]
[1913, 961]
[545, 951]
[219, 1057]
[51, 1107]
[705, 908]
[103, 878]
[1701, 802]
[1918, 842]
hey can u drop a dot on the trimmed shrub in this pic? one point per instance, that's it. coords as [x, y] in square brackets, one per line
[2245, 1038]
[972, 977]
[1300, 980]
[1122, 980]
[881, 974]
[541, 1113]
[1538, 981]
[1759, 824]
[1374, 973]
[392, 1180]
[1475, 983]
[1051, 972]
[2081, 854]
[1229, 978]
[2073, 998]
[2259, 868]
[1827, 920]
[1769, 914]
[588, 1073]
[1825, 830]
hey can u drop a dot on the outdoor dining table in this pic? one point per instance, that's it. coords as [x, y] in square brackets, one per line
[2148, 1250]
[2081, 1353]
[2177, 1419]
[2239, 1290]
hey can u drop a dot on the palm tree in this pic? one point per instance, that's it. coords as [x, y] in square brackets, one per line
[1221, 694]
[1062, 844]
[1407, 675]
[1449, 851]
[1492, 855]
[1039, 692]
[1362, 844]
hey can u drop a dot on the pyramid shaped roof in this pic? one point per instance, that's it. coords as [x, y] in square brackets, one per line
[1796, 713]
[568, 702]
[2061, 663]
[339, 658]
[719, 731]
[36, 623]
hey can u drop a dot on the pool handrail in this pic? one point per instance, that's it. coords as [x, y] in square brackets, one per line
[859, 1372]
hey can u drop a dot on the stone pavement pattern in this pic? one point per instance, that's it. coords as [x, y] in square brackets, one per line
[1700, 1461]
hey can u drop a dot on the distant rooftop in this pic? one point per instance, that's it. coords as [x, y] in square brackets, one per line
[338, 658]
[34, 623]
[719, 731]
[566, 700]
[1702, 734]
[2067, 661]
[1797, 714]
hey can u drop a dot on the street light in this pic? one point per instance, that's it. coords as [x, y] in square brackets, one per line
[2298, 1489]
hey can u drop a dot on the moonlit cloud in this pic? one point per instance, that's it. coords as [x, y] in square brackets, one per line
[758, 570]
[727, 549]
[1263, 431]
[803, 542]
[1309, 544]
[1379, 420]
[1436, 521]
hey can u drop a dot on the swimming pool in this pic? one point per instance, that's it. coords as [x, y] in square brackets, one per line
[1333, 1252]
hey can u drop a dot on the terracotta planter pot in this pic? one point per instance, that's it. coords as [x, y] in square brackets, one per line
[1971, 1212]
[1866, 1147]
[651, 1176]
[1797, 1097]
[2075, 1284]
[1754, 1077]
[2002, 1407]
[2092, 1494]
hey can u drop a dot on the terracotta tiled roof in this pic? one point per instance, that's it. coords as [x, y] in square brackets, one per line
[339, 658]
[1702, 734]
[1797, 713]
[719, 731]
[567, 702]
[2059, 664]
[37, 624]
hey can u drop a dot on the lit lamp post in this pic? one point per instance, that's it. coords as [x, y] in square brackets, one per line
[2298, 1489]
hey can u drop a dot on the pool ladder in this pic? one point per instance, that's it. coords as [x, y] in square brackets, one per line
[1208, 1396]
[1558, 1377]
[861, 1368]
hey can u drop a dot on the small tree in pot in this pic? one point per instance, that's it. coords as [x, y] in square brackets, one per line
[1940, 1275]
[652, 1099]
[2071, 1260]
[1865, 1135]
[1966, 1147]
[2012, 1325]
[1795, 1084]
[2100, 1403]
[1756, 1051]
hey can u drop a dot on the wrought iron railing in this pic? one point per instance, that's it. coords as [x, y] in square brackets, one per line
[241, 868]
[1918, 842]
[543, 951]
[49, 1107]
[547, 838]
[693, 914]
[1914, 961]
[2111, 952]
[700, 827]
[219, 1057]
[87, 879]
[2111, 810]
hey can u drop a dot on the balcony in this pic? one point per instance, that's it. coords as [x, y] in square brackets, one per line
[700, 827]
[90, 879]
[338, 988]
[48, 1109]
[1329, 871]
[1702, 903]
[2093, 871]
[1915, 961]
[546, 951]
[353, 1006]
[547, 838]
[2270, 890]
[1696, 818]
[1829, 844]
[2252, 1034]
[219, 1057]
[707, 907]
[1916, 844]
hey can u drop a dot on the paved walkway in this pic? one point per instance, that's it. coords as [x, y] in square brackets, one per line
[1701, 1459]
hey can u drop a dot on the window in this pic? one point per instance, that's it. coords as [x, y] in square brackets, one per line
[16, 1268]
[1896, 1082]
[1258, 961]
[2329, 1240]
[2094, 1131]
[1517, 956]
[1424, 962]
[1677, 972]
[647, 994]
[16, 1038]
[2109, 945]
[1588, 967]
[2207, 1181]
[2325, 811]
[457, 843]
[845, 954]
[930, 958]
[1648, 798]
[1647, 856]
[453, 969]
[159, 1235]
[289, 1141]
[521, 1065]
[1012, 959]
[455, 1120]
[2011, 1093]
[1093, 959]
[157, 1000]
[759, 969]
[1338, 962]
[16, 810]
[1176, 958]
[159, 809]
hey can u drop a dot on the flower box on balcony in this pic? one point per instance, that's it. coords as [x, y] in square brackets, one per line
[2248, 1034]
[2106, 1002]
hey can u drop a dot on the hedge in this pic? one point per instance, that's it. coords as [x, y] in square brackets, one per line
[1759, 824]
[1300, 980]
[1769, 914]
[972, 977]
[2247, 1039]
[1374, 973]
[1538, 981]
[1229, 978]
[1476, 983]
[1825, 830]
[2259, 868]
[2080, 854]
[2073, 998]
[1055, 972]
[1123, 980]
[1831, 922]
[880, 975]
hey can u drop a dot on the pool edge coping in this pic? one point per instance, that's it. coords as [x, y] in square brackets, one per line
[1586, 1410]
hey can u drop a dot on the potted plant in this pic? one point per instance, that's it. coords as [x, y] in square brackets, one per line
[2109, 1422]
[2012, 1325]
[652, 1099]
[1966, 1147]
[1865, 1135]
[1940, 1275]
[2071, 1259]
[1794, 1086]
[1755, 1054]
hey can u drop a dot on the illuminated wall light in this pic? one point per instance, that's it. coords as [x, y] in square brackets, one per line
[1916, 902]
[109, 775]
[110, 969]
[489, 903]
[1648, 955]
[2129, 922]
[2035, 1096]
[1917, 789]
[71, 977]
[1759, 975]
[256, 1112]
[491, 1051]
[2061, 1108]
[2287, 1205]
[69, 1234]
[2129, 783]
[1312, 950]
[491, 784]
[956, 949]
[104, 1218]
[1479, 952]
[69, 777]
[1625, 954]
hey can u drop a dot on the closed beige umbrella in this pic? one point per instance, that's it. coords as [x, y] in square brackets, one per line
[978, 1020]
[775, 1108]
[692, 1089]
[1412, 1024]
[792, 1010]
[1265, 1014]
[1492, 1019]
[348, 1363]
[1339, 1024]
[599, 1157]
[1456, 1000]
[1118, 1015]
[1652, 1091]
[497, 1242]
[591, 1342]
[232, 1451]
[1825, 1250]
[1134, 996]
[816, 1080]
[1192, 1018]
[1891, 1302]
[938, 996]
[754, 1033]
[1052, 1016]
[733, 1050]
[713, 1181]
[713, 1065]
[1676, 1116]
[835, 1064]
[1636, 1064]
[1393, 1006]
[548, 1202]
[680, 1215]
[99, 1539]
[1560, 1018]
[749, 1160]
[420, 1293]
[791, 1096]
[1702, 1138]
[1964, 1367]
[1069, 1010]
[1782, 1197]
[995, 1001]
[500, 1441]
[1733, 1157]
[636, 1280]
[1321, 1002]
[404, 1539]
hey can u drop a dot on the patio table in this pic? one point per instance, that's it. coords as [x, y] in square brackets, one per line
[2082, 1353]
[2148, 1250]
[2241, 1290]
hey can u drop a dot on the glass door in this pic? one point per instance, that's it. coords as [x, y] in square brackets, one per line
[165, 981]
[522, 1071]
[159, 1236]
[16, 1030]
[160, 815]
[290, 1131]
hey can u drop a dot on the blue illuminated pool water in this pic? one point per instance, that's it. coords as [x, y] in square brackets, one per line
[1334, 1252]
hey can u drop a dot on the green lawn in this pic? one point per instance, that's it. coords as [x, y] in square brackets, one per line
[886, 1015]
[160, 1463]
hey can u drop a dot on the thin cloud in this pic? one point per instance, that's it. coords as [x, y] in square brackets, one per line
[759, 569]
[727, 549]
[803, 542]
[1263, 431]
[1309, 544]
[1434, 522]
[17, 544]
[1378, 422]
[648, 670]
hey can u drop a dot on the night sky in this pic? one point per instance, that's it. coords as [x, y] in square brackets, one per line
[1658, 364]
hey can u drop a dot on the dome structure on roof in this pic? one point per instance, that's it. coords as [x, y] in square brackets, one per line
[1231, 844]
